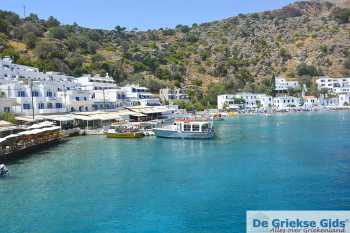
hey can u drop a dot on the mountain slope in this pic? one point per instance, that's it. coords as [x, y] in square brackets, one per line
[340, 3]
[242, 53]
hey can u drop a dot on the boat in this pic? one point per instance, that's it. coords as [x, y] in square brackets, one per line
[187, 129]
[3, 170]
[22, 144]
[123, 131]
[218, 117]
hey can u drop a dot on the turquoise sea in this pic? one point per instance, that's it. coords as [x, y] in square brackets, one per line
[98, 185]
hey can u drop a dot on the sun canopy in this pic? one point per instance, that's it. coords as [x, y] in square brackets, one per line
[60, 118]
[41, 125]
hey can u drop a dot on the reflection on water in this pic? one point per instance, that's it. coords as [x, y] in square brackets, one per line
[93, 184]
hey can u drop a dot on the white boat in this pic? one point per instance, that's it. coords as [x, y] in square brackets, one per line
[187, 129]
[3, 170]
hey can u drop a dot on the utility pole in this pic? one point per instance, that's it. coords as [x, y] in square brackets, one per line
[104, 99]
[65, 98]
[24, 11]
[31, 92]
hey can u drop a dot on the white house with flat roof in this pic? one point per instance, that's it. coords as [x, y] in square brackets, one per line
[76, 100]
[113, 98]
[253, 100]
[97, 82]
[244, 100]
[170, 95]
[281, 103]
[344, 100]
[140, 96]
[336, 85]
[40, 96]
[310, 102]
[227, 102]
[282, 84]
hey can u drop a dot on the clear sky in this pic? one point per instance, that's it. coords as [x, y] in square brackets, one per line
[141, 14]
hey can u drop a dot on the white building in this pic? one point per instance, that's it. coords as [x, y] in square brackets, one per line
[97, 82]
[344, 100]
[310, 102]
[112, 98]
[244, 100]
[7, 104]
[137, 95]
[255, 100]
[336, 85]
[170, 95]
[282, 84]
[285, 102]
[227, 102]
[13, 72]
[40, 96]
[76, 100]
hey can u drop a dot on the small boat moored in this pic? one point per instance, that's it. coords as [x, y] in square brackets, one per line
[3, 170]
[187, 129]
[123, 131]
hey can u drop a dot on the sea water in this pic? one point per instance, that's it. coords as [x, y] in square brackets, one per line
[97, 185]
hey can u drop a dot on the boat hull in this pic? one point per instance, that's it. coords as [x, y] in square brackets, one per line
[164, 133]
[125, 135]
[30, 150]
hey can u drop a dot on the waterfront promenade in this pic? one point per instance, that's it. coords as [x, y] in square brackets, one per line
[93, 184]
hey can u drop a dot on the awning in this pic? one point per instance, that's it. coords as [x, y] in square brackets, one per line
[149, 110]
[60, 118]
[107, 116]
[41, 125]
[12, 136]
[84, 118]
[2, 140]
[5, 124]
[127, 112]
[29, 118]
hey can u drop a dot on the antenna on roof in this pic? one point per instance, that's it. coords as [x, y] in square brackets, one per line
[24, 11]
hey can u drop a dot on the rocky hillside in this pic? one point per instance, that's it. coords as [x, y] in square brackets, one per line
[340, 3]
[243, 53]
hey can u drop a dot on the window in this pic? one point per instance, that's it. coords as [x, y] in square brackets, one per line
[187, 127]
[35, 93]
[26, 106]
[49, 94]
[21, 94]
[85, 98]
[205, 127]
[77, 98]
[195, 128]
[6, 109]
[41, 106]
[49, 105]
[59, 105]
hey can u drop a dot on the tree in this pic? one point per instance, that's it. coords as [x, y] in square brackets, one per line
[48, 49]
[32, 18]
[52, 22]
[92, 46]
[7, 116]
[4, 27]
[57, 33]
[213, 91]
[342, 15]
[304, 69]
[30, 40]
[72, 43]
[347, 63]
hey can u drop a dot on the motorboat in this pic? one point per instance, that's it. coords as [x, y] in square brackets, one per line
[123, 131]
[3, 170]
[187, 129]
